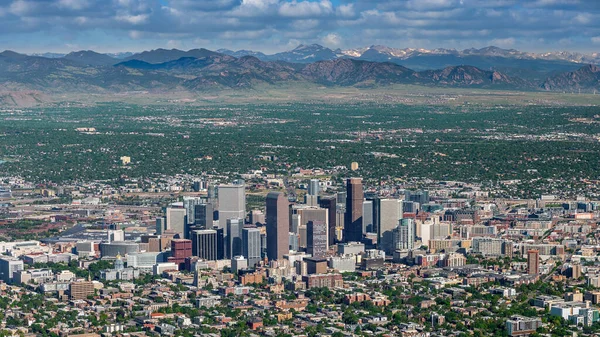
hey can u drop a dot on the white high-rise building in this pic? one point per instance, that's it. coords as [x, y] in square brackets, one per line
[176, 220]
[426, 232]
[313, 187]
[238, 263]
[312, 197]
[404, 235]
[390, 212]
[232, 202]
[251, 245]
[116, 235]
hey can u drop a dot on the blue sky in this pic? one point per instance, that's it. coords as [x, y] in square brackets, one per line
[276, 25]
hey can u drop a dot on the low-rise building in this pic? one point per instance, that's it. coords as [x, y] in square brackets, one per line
[521, 325]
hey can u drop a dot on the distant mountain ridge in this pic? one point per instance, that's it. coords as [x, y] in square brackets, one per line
[586, 78]
[316, 52]
[165, 55]
[301, 52]
[532, 66]
[89, 57]
[203, 69]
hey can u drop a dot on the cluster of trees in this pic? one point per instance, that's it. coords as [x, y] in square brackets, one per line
[466, 143]
[73, 266]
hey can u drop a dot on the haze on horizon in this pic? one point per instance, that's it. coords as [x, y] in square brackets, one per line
[269, 26]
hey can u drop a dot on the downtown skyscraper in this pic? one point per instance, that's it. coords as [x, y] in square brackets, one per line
[312, 197]
[353, 226]
[316, 238]
[233, 240]
[251, 245]
[278, 225]
[232, 202]
[204, 244]
[330, 204]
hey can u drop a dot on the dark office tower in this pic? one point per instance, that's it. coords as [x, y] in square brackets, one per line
[354, 207]
[234, 237]
[368, 226]
[203, 215]
[161, 225]
[189, 229]
[410, 207]
[316, 238]
[220, 243]
[196, 186]
[251, 245]
[189, 204]
[422, 197]
[278, 225]
[330, 204]
[341, 197]
[375, 212]
[263, 245]
[204, 244]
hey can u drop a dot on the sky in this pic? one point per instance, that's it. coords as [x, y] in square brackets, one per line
[270, 26]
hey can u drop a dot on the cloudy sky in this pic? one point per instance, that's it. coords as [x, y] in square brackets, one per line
[276, 25]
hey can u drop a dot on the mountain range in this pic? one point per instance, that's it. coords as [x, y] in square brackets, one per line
[510, 61]
[202, 69]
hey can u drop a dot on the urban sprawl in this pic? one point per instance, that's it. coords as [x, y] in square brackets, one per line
[297, 255]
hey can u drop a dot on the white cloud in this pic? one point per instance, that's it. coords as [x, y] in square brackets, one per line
[332, 40]
[260, 4]
[81, 20]
[174, 44]
[21, 7]
[251, 8]
[136, 34]
[302, 25]
[434, 5]
[73, 4]
[306, 8]
[346, 11]
[583, 18]
[244, 35]
[133, 19]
